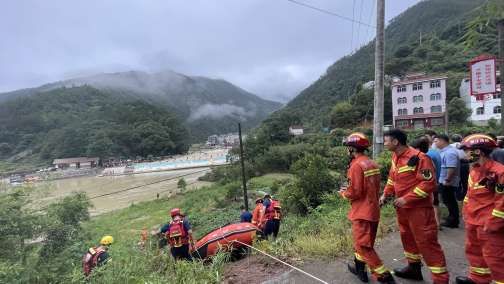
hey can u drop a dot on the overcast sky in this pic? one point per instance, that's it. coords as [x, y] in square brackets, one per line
[273, 48]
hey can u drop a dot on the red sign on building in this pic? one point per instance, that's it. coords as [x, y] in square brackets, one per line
[483, 76]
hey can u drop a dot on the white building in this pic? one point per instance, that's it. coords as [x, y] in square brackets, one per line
[419, 101]
[296, 130]
[484, 108]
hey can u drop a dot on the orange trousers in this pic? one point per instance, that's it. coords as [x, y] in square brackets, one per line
[419, 236]
[364, 235]
[485, 253]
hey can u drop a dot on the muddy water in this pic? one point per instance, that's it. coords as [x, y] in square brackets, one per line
[46, 192]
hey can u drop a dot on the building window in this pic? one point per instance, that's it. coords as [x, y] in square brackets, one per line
[437, 122]
[497, 109]
[401, 88]
[402, 100]
[418, 110]
[402, 111]
[435, 97]
[435, 84]
[417, 86]
[436, 109]
[497, 96]
[402, 123]
[480, 110]
[418, 98]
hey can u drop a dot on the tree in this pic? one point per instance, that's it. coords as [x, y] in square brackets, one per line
[182, 184]
[458, 113]
[313, 180]
[343, 115]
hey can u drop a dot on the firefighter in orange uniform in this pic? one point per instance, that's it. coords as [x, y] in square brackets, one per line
[484, 213]
[258, 213]
[363, 193]
[411, 181]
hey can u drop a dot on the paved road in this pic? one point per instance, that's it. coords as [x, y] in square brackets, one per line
[390, 250]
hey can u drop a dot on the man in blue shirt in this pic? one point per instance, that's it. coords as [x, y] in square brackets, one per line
[449, 179]
[245, 216]
[433, 153]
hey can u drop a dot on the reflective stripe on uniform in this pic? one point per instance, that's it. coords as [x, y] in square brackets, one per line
[390, 182]
[480, 270]
[380, 269]
[478, 186]
[466, 199]
[498, 214]
[438, 269]
[413, 256]
[420, 192]
[372, 172]
[359, 257]
[405, 169]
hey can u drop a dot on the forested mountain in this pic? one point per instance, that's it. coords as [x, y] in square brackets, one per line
[428, 37]
[206, 106]
[84, 121]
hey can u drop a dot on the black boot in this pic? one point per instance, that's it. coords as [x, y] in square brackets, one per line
[413, 271]
[359, 269]
[464, 280]
[386, 278]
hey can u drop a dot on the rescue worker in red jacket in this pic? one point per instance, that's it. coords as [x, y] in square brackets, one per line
[272, 216]
[483, 213]
[97, 256]
[363, 192]
[412, 179]
[179, 235]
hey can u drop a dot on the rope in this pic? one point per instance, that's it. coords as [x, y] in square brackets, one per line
[283, 262]
[276, 259]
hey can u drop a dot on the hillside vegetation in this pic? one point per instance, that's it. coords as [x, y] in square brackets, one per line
[83, 121]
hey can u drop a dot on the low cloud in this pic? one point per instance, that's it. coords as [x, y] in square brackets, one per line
[219, 111]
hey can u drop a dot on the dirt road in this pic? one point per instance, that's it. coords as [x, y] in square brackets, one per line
[390, 250]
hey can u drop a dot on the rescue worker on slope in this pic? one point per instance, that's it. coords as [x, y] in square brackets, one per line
[272, 216]
[412, 180]
[97, 256]
[483, 213]
[363, 192]
[179, 235]
[258, 213]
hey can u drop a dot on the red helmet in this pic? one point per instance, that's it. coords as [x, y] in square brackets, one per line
[357, 140]
[478, 141]
[174, 212]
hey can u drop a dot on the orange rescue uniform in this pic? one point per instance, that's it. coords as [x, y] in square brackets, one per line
[363, 192]
[484, 217]
[257, 215]
[415, 182]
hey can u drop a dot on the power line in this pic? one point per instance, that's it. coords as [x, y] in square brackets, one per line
[371, 17]
[353, 24]
[329, 12]
[359, 26]
[133, 187]
[147, 184]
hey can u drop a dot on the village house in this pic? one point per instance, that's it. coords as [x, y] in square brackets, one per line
[76, 163]
[419, 101]
[296, 130]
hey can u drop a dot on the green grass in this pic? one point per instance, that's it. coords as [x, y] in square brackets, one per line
[325, 233]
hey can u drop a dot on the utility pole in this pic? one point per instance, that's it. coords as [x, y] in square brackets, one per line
[379, 78]
[244, 181]
[500, 30]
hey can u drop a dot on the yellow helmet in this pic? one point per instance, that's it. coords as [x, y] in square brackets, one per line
[106, 240]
